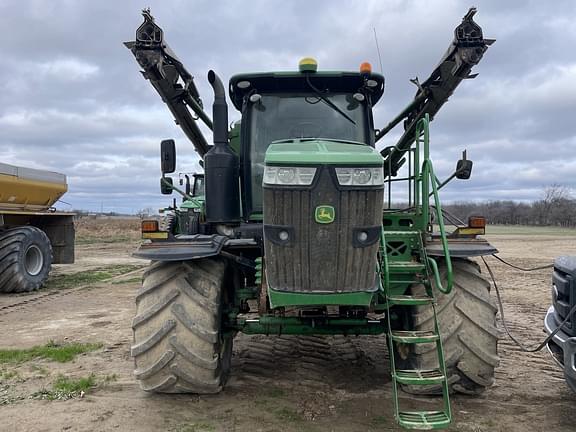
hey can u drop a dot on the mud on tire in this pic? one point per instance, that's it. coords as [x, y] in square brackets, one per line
[178, 346]
[467, 320]
[25, 259]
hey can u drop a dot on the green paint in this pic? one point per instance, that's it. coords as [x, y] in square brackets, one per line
[283, 298]
[324, 214]
[197, 203]
[234, 136]
[318, 151]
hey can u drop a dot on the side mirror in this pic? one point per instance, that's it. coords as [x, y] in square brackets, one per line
[166, 185]
[187, 184]
[464, 167]
[167, 156]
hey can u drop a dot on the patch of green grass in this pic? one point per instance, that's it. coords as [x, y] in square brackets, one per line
[195, 427]
[65, 388]
[71, 385]
[88, 277]
[287, 415]
[61, 353]
[529, 230]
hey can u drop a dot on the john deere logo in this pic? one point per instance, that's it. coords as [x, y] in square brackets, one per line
[324, 214]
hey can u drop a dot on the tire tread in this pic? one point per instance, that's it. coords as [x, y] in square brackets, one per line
[177, 346]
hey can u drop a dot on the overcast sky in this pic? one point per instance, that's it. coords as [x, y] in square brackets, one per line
[72, 99]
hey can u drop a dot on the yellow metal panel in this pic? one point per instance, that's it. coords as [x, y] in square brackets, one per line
[155, 235]
[23, 194]
[470, 231]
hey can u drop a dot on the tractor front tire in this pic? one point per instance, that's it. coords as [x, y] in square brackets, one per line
[467, 321]
[178, 343]
[25, 259]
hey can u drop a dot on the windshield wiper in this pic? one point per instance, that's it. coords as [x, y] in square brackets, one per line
[328, 101]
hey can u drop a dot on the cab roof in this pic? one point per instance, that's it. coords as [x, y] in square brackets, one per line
[295, 82]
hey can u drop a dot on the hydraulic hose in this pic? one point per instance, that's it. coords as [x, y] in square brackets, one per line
[501, 309]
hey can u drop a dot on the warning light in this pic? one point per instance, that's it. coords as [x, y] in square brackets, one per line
[477, 222]
[149, 225]
[366, 68]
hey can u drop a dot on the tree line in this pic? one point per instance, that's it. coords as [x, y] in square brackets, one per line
[556, 208]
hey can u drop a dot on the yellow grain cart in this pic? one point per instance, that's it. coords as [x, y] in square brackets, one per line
[33, 236]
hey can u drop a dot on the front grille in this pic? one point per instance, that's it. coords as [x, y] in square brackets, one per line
[564, 292]
[321, 257]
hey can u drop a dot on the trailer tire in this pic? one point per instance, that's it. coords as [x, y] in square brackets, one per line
[467, 321]
[25, 259]
[178, 342]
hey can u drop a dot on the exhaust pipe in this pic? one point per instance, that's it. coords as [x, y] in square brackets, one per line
[221, 164]
[219, 109]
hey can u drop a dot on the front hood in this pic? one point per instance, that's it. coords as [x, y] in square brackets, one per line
[310, 151]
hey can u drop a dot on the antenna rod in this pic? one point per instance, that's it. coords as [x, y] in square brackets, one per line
[378, 49]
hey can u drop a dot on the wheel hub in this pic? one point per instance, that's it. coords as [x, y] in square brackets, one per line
[33, 260]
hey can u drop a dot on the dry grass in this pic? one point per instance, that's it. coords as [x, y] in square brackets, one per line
[90, 229]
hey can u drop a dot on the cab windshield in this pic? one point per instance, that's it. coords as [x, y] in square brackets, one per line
[297, 116]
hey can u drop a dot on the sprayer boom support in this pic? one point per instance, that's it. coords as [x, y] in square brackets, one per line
[464, 52]
[172, 81]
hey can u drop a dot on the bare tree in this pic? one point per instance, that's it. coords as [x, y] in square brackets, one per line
[556, 207]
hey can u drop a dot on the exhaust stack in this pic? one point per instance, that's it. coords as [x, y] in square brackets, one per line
[221, 164]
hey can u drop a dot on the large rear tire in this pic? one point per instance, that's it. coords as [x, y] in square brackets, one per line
[25, 259]
[178, 343]
[467, 321]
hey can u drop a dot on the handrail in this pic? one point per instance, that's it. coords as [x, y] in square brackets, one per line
[384, 273]
[428, 177]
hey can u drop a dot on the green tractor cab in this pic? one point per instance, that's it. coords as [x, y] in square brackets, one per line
[296, 231]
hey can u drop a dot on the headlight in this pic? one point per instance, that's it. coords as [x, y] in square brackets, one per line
[360, 176]
[289, 175]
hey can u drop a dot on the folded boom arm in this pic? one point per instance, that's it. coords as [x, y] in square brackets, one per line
[465, 51]
[172, 81]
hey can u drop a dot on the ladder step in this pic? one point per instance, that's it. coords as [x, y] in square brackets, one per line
[405, 267]
[410, 300]
[419, 377]
[423, 420]
[401, 233]
[414, 337]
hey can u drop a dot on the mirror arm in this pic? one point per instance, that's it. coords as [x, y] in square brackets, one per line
[181, 192]
[445, 182]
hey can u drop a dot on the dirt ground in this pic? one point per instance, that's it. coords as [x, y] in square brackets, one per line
[278, 383]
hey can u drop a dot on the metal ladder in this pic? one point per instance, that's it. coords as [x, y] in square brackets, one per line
[398, 266]
[419, 273]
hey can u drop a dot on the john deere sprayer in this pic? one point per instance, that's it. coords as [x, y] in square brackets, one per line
[292, 229]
